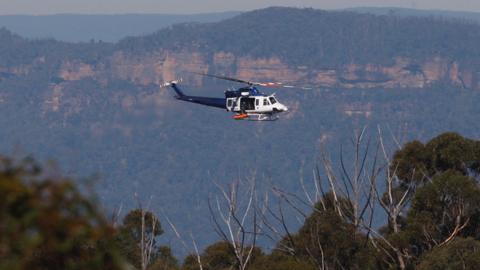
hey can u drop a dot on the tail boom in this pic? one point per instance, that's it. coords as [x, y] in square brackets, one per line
[207, 101]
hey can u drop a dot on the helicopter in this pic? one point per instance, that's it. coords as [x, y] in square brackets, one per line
[247, 102]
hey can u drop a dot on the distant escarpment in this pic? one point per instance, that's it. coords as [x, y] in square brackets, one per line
[166, 65]
[305, 46]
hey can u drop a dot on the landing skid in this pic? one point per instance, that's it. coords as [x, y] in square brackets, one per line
[262, 117]
[256, 117]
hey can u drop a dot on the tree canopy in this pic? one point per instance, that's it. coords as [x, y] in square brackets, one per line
[47, 223]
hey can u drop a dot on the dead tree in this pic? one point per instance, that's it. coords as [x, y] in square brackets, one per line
[393, 202]
[235, 217]
[185, 245]
[356, 182]
[149, 225]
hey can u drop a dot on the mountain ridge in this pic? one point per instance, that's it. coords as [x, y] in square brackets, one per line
[113, 27]
[108, 28]
[459, 15]
[338, 50]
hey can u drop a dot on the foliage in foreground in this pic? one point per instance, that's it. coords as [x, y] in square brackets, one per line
[47, 223]
[438, 227]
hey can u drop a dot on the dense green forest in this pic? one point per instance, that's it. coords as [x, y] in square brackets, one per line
[16, 51]
[428, 192]
[322, 39]
[409, 12]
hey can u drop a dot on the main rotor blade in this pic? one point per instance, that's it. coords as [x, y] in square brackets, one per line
[279, 84]
[224, 78]
[264, 84]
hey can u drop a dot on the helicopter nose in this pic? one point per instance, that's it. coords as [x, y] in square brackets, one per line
[284, 108]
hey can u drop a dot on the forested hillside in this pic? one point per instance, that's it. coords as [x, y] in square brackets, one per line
[322, 39]
[409, 12]
[97, 107]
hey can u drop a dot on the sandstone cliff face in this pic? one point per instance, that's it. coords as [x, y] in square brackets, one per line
[73, 71]
[21, 70]
[161, 66]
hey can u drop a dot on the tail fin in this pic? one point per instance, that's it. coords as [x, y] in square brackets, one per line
[173, 84]
[177, 90]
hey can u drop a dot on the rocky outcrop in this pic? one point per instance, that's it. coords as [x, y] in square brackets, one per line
[73, 71]
[161, 66]
[7, 72]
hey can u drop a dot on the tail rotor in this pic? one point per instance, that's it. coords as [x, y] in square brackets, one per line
[171, 83]
[174, 84]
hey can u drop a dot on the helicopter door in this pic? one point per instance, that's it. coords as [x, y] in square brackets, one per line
[247, 104]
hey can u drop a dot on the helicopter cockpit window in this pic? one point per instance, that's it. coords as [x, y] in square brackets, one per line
[272, 100]
[265, 102]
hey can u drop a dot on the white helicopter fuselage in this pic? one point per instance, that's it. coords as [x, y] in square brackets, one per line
[255, 104]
